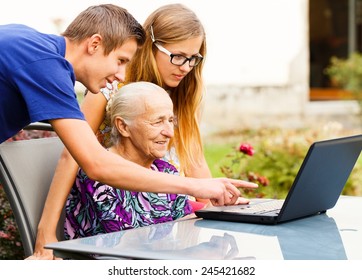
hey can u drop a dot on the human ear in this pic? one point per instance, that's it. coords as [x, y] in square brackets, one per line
[94, 43]
[122, 127]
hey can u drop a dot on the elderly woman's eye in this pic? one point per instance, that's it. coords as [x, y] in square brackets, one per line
[158, 122]
[122, 61]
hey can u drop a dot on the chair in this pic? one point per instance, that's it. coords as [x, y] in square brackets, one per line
[26, 170]
[39, 126]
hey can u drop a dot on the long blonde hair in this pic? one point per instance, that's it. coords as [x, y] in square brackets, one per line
[171, 24]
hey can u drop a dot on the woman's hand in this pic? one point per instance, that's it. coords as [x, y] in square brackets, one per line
[40, 253]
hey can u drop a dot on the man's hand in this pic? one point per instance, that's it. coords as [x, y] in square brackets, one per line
[220, 191]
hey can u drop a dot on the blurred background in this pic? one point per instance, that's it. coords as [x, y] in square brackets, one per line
[266, 59]
[280, 74]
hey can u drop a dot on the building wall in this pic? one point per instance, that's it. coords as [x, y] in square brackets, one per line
[257, 66]
[275, 89]
[272, 85]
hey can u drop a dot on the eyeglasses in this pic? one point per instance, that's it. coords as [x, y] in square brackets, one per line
[177, 59]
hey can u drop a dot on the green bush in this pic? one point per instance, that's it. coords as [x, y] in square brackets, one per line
[347, 73]
[276, 159]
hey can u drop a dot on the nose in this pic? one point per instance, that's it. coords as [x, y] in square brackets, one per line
[121, 73]
[168, 130]
[186, 67]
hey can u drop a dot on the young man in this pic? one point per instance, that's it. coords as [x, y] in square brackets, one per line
[37, 76]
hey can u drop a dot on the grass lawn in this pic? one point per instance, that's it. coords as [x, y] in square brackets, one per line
[213, 154]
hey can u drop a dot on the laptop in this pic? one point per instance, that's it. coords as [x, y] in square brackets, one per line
[316, 188]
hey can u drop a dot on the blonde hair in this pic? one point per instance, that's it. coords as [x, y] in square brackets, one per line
[113, 23]
[171, 24]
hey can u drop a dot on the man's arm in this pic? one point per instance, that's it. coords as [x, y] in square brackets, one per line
[100, 165]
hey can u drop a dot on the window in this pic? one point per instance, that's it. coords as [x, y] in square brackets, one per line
[335, 29]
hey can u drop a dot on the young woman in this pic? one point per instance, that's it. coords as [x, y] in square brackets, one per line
[172, 57]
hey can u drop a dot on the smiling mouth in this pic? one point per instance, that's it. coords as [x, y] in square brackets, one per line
[163, 143]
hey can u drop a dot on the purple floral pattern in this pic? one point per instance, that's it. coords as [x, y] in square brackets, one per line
[93, 208]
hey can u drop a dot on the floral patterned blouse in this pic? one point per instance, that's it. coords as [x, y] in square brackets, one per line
[93, 207]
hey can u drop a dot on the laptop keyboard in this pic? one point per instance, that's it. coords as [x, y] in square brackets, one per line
[259, 208]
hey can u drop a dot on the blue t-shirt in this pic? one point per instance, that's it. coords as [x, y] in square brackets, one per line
[36, 81]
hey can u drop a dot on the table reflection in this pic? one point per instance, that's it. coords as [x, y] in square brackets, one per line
[310, 238]
[181, 240]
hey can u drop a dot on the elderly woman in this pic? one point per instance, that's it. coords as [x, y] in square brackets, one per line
[142, 125]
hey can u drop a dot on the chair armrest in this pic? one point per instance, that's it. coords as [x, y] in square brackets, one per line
[39, 126]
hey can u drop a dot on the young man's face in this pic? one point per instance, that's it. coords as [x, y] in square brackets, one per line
[101, 69]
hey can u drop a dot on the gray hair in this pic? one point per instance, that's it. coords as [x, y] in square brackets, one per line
[129, 102]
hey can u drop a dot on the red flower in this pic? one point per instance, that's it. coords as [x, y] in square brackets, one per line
[263, 181]
[246, 149]
[4, 235]
[252, 177]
